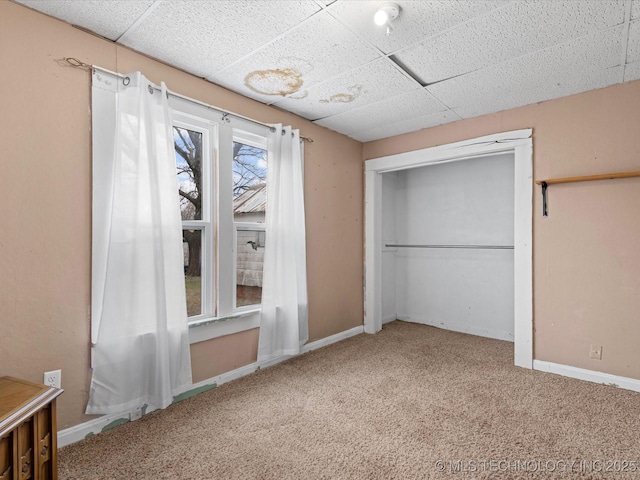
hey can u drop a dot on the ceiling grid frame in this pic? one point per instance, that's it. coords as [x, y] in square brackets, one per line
[625, 38]
[138, 21]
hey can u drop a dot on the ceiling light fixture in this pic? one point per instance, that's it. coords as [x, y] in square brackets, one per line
[385, 14]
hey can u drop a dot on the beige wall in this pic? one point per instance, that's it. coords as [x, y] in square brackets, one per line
[223, 354]
[586, 263]
[45, 207]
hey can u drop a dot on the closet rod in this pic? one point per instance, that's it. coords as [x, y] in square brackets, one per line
[478, 247]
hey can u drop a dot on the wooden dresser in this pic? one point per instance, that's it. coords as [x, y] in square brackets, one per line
[28, 433]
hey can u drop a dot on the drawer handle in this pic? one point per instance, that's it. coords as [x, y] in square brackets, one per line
[43, 452]
[25, 467]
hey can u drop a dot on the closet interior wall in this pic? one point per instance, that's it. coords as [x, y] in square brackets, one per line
[462, 203]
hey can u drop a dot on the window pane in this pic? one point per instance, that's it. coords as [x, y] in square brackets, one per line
[249, 183]
[250, 251]
[188, 147]
[192, 248]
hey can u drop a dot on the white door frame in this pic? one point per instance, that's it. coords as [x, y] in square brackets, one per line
[519, 143]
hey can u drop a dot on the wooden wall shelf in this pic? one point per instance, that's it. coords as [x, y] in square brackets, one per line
[583, 178]
[589, 178]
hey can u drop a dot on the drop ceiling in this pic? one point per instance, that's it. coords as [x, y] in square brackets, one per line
[328, 62]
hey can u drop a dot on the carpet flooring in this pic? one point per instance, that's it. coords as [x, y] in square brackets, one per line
[412, 402]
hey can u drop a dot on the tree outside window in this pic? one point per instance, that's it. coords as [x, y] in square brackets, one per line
[249, 173]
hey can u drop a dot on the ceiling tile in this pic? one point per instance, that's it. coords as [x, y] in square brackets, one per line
[204, 37]
[582, 64]
[318, 49]
[109, 18]
[635, 9]
[633, 46]
[387, 112]
[496, 102]
[416, 21]
[361, 86]
[411, 125]
[508, 33]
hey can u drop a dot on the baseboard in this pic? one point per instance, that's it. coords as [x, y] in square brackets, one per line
[480, 332]
[323, 342]
[588, 375]
[92, 427]
[97, 425]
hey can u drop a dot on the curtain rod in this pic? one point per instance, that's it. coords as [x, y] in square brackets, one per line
[74, 62]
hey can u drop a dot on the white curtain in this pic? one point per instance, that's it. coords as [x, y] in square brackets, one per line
[141, 351]
[284, 321]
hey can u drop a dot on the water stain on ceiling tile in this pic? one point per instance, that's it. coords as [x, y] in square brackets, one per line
[276, 81]
[355, 91]
[284, 78]
[299, 95]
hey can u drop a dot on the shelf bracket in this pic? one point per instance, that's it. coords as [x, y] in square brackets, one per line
[544, 199]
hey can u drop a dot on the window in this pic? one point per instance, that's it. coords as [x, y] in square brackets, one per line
[221, 169]
[188, 144]
[217, 158]
[249, 264]
[249, 211]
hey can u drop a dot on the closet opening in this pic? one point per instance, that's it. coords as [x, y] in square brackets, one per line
[448, 239]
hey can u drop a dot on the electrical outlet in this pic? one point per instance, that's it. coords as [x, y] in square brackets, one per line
[53, 378]
[596, 352]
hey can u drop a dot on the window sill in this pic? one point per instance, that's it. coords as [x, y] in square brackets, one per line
[210, 328]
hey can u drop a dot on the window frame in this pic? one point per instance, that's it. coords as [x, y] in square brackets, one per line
[257, 141]
[219, 316]
[206, 225]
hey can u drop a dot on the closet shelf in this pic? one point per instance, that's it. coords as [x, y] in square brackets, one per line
[584, 178]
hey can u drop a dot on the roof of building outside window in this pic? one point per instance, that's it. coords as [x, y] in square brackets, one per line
[253, 200]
